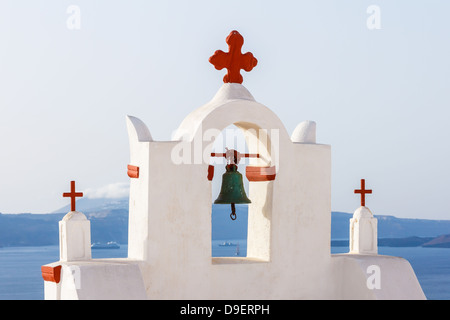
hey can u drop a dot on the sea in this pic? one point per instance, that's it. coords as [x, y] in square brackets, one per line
[21, 279]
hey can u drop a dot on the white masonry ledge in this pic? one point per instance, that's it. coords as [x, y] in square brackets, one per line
[121, 278]
[358, 272]
[98, 279]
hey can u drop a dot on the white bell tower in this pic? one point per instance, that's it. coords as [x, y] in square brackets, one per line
[363, 227]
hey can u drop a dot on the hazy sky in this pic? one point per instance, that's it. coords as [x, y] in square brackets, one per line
[380, 97]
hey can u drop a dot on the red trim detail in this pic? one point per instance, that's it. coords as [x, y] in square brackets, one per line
[133, 171]
[233, 60]
[210, 172]
[260, 173]
[52, 274]
[72, 195]
[363, 192]
[244, 155]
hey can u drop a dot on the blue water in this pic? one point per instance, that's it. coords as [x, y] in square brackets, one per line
[238, 248]
[20, 267]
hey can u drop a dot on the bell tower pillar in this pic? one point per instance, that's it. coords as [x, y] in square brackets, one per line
[363, 227]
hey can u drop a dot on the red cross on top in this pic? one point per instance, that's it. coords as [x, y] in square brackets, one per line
[72, 195]
[233, 60]
[363, 192]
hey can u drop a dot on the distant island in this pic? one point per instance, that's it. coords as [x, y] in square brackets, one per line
[426, 242]
[438, 242]
[109, 223]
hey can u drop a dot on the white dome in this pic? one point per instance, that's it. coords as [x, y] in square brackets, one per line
[74, 215]
[305, 132]
[362, 212]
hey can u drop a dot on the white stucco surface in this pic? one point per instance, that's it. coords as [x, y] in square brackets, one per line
[288, 245]
[363, 232]
[74, 237]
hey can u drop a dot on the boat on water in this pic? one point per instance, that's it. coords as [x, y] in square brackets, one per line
[227, 244]
[108, 245]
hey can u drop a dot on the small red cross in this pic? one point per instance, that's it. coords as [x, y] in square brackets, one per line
[233, 60]
[363, 192]
[72, 195]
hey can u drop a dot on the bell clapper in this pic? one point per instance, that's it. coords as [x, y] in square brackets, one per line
[233, 212]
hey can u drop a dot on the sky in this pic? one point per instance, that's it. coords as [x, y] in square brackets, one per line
[375, 82]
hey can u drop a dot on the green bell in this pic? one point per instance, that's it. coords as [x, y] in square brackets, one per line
[232, 190]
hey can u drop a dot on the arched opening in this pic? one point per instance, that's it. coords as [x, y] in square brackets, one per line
[229, 237]
[248, 235]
